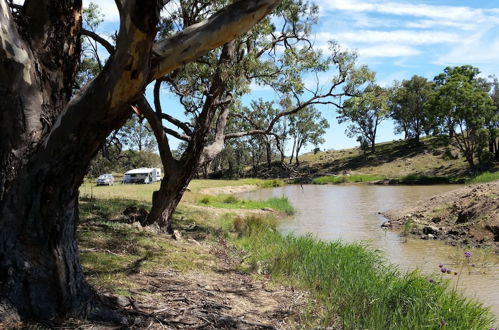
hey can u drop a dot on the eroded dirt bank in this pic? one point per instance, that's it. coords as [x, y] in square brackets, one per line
[468, 216]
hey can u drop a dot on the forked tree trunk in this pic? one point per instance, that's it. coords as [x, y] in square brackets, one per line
[166, 199]
[48, 141]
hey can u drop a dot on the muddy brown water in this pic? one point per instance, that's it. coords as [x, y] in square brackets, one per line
[350, 213]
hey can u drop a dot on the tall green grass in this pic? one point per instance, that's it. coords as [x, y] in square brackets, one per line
[355, 287]
[413, 179]
[484, 177]
[335, 179]
[233, 202]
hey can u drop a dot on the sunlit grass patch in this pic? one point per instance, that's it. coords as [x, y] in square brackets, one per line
[232, 202]
[418, 179]
[335, 179]
[484, 177]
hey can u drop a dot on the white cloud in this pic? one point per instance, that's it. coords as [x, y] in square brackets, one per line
[407, 37]
[433, 23]
[472, 51]
[451, 13]
[388, 50]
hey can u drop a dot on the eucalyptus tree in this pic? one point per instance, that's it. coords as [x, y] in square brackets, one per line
[462, 106]
[306, 127]
[277, 53]
[408, 109]
[137, 134]
[365, 113]
[493, 123]
[48, 136]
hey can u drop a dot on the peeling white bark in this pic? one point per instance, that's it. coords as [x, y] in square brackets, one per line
[219, 29]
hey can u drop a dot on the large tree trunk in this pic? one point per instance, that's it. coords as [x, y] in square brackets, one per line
[166, 199]
[268, 150]
[40, 272]
[47, 141]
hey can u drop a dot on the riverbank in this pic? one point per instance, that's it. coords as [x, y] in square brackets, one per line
[468, 216]
[230, 268]
[432, 160]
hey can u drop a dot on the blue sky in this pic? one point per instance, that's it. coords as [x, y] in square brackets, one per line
[396, 39]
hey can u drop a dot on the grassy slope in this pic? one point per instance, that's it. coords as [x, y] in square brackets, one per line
[432, 157]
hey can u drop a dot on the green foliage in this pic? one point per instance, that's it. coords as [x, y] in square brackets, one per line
[365, 113]
[137, 134]
[335, 179]
[484, 177]
[121, 161]
[307, 127]
[254, 224]
[272, 183]
[461, 106]
[91, 63]
[414, 179]
[408, 106]
[356, 284]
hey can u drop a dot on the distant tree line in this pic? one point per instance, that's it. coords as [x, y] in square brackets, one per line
[458, 102]
[130, 147]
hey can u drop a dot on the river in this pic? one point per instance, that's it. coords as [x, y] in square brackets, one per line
[351, 213]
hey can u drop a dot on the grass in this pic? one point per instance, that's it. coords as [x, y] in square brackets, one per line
[392, 159]
[232, 202]
[143, 192]
[484, 177]
[357, 285]
[336, 179]
[419, 179]
[353, 287]
[112, 252]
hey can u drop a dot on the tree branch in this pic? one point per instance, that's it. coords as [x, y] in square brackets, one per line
[106, 44]
[176, 134]
[197, 39]
[164, 147]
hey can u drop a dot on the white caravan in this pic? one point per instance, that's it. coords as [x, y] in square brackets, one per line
[142, 175]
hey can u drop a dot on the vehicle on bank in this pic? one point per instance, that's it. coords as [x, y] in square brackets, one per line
[105, 180]
[142, 175]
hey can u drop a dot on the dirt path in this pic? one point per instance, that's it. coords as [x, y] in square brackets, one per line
[229, 190]
[468, 216]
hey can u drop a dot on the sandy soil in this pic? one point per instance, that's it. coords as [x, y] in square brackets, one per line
[468, 216]
[229, 190]
[216, 212]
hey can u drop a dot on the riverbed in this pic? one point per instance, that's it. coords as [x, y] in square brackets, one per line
[351, 213]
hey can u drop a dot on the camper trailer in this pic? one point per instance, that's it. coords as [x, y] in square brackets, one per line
[142, 175]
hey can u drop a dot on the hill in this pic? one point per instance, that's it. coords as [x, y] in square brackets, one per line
[431, 157]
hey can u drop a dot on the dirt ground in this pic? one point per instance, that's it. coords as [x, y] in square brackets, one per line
[216, 296]
[224, 299]
[229, 190]
[468, 216]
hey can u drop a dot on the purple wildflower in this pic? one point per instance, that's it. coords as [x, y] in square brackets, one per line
[431, 280]
[467, 254]
[473, 265]
[443, 270]
[441, 265]
[448, 271]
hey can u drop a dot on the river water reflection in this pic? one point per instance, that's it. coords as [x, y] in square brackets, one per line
[350, 213]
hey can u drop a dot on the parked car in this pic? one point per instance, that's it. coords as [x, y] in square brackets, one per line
[105, 180]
